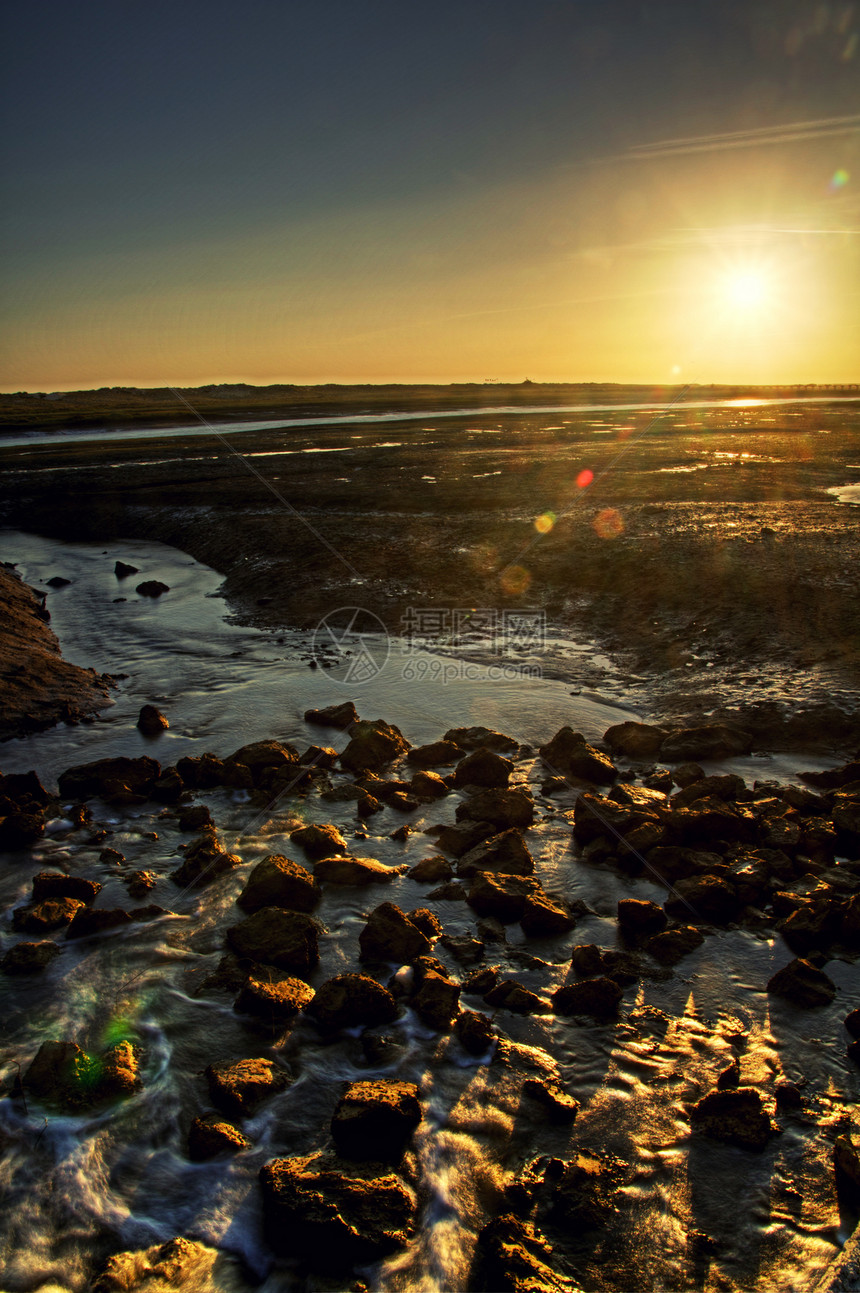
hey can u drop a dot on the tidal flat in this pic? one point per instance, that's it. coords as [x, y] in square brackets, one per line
[606, 1045]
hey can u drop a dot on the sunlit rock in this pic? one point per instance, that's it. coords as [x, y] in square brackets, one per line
[212, 1135]
[239, 1088]
[570, 754]
[319, 841]
[598, 997]
[735, 1116]
[505, 854]
[502, 808]
[272, 999]
[374, 1120]
[390, 935]
[29, 958]
[355, 871]
[278, 881]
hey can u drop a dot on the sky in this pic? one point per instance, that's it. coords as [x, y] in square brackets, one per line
[347, 191]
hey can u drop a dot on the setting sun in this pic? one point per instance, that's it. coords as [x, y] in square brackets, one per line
[747, 289]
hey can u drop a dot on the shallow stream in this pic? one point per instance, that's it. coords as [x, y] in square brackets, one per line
[81, 1187]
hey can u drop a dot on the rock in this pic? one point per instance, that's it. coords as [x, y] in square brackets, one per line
[239, 1088]
[502, 808]
[474, 1032]
[355, 871]
[212, 1135]
[205, 860]
[29, 958]
[512, 1256]
[468, 951]
[279, 882]
[597, 997]
[426, 921]
[630, 796]
[504, 854]
[260, 756]
[390, 935]
[545, 917]
[373, 745]
[474, 738]
[48, 885]
[569, 753]
[730, 1076]
[788, 1096]
[501, 896]
[623, 967]
[273, 1000]
[194, 818]
[152, 588]
[587, 959]
[483, 768]
[51, 914]
[151, 721]
[671, 945]
[365, 805]
[87, 921]
[846, 1160]
[319, 841]
[87, 780]
[437, 754]
[459, 839]
[834, 778]
[139, 883]
[20, 831]
[635, 740]
[374, 1120]
[802, 984]
[706, 898]
[813, 925]
[437, 997]
[852, 1023]
[57, 581]
[726, 786]
[286, 939]
[352, 1001]
[709, 821]
[452, 892]
[122, 570]
[178, 1264]
[322, 757]
[737, 1117]
[205, 771]
[63, 1074]
[431, 870]
[560, 1106]
[333, 1213]
[595, 816]
[340, 716]
[671, 863]
[24, 789]
[510, 995]
[428, 785]
[711, 741]
[638, 918]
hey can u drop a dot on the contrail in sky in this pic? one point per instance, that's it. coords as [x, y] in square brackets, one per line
[789, 133]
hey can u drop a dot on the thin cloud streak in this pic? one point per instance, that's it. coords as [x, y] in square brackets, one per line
[764, 136]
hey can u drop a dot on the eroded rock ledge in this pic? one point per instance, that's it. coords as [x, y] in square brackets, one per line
[39, 688]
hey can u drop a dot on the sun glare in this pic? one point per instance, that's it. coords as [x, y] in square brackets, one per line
[746, 289]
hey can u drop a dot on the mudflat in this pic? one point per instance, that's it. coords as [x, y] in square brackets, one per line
[711, 551]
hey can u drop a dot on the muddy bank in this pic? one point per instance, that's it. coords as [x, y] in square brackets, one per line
[40, 688]
[701, 547]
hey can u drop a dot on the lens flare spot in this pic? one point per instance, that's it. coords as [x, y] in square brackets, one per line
[584, 479]
[840, 179]
[608, 524]
[545, 522]
[515, 580]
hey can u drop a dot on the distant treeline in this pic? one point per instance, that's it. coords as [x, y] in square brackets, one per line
[120, 405]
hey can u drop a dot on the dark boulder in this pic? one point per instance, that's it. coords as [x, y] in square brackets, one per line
[570, 754]
[546, 917]
[635, 740]
[205, 860]
[333, 1213]
[671, 945]
[273, 1000]
[20, 830]
[122, 570]
[373, 745]
[260, 756]
[560, 1106]
[350, 1001]
[437, 754]
[512, 996]
[802, 984]
[212, 1135]
[502, 808]
[390, 935]
[483, 767]
[89, 921]
[53, 913]
[340, 716]
[466, 835]
[194, 818]
[279, 882]
[29, 958]
[474, 1032]
[151, 721]
[512, 1256]
[319, 841]
[239, 1088]
[436, 999]
[737, 1117]
[638, 918]
[48, 885]
[152, 588]
[596, 997]
[286, 939]
[505, 854]
[711, 741]
[63, 1074]
[709, 899]
[501, 896]
[374, 1120]
[431, 870]
[428, 785]
[476, 738]
[103, 776]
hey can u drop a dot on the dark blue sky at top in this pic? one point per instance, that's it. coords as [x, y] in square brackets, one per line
[124, 119]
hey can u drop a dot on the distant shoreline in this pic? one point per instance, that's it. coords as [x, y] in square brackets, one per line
[123, 406]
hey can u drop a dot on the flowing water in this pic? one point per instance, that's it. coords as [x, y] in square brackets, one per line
[79, 1187]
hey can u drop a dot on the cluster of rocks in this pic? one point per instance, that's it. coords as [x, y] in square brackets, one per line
[774, 855]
